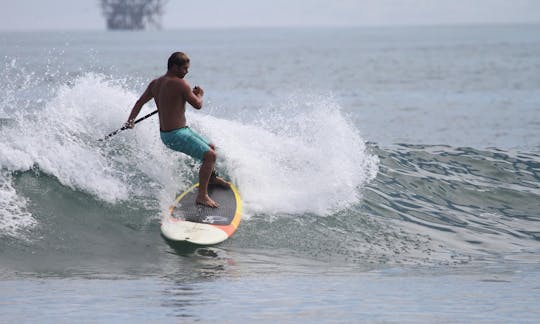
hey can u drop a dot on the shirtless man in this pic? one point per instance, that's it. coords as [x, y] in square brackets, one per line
[170, 92]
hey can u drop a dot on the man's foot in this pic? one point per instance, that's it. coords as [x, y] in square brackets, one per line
[206, 201]
[220, 182]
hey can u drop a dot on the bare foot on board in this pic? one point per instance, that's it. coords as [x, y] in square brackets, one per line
[206, 201]
[220, 182]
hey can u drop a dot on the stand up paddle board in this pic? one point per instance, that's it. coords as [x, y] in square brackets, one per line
[203, 225]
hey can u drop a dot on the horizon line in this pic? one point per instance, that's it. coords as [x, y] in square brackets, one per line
[284, 26]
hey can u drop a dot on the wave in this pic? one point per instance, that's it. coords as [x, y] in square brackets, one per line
[292, 159]
[310, 183]
[434, 205]
[466, 201]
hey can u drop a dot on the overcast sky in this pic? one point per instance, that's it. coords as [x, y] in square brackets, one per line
[86, 14]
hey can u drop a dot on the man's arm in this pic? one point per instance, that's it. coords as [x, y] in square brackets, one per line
[193, 97]
[145, 97]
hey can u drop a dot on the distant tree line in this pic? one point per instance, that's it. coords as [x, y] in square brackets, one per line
[133, 14]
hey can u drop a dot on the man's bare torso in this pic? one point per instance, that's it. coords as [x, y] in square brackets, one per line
[170, 101]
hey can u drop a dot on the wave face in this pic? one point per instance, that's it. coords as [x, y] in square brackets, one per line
[428, 205]
[468, 202]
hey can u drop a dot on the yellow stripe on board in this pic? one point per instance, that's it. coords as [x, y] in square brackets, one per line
[238, 213]
[182, 196]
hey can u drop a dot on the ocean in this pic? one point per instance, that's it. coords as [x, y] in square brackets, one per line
[388, 174]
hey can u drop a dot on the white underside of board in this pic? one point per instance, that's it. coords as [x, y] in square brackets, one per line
[204, 234]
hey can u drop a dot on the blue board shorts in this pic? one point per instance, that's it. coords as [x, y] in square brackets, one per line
[186, 141]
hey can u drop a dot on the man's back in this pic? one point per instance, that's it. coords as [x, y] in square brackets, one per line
[171, 102]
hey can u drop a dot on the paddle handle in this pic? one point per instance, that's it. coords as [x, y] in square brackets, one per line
[125, 127]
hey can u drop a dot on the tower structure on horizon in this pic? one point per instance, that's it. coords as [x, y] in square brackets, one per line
[132, 14]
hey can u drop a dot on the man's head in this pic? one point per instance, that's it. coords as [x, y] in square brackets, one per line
[178, 63]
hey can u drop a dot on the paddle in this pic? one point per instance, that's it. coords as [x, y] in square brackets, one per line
[125, 127]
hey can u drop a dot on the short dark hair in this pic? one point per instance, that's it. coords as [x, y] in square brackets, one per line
[177, 58]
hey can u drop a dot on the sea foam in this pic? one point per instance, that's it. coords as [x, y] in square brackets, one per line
[300, 156]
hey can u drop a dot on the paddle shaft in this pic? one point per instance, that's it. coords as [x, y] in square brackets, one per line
[125, 127]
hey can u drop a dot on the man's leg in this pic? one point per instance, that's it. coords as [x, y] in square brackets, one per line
[208, 163]
[214, 178]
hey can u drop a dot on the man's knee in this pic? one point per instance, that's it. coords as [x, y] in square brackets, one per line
[210, 156]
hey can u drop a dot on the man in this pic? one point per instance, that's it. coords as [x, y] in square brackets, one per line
[170, 93]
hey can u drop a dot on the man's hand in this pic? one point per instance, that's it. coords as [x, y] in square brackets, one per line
[198, 91]
[129, 124]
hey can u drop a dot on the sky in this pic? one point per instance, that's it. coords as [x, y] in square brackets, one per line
[180, 14]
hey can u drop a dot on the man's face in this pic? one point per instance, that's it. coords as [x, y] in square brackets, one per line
[182, 70]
